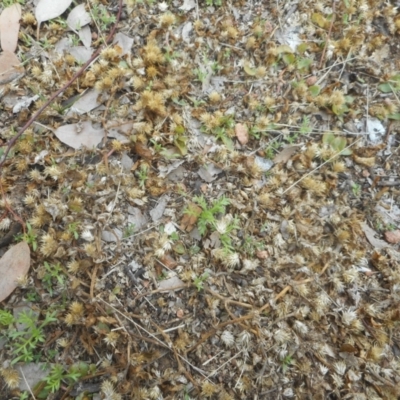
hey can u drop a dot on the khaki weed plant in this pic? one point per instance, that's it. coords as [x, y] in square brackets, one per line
[207, 193]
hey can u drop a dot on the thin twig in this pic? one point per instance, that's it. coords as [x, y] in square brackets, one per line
[27, 384]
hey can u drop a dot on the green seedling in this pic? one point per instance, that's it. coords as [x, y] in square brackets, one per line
[199, 281]
[356, 189]
[174, 236]
[391, 86]
[337, 143]
[223, 130]
[200, 75]
[129, 230]
[8, 3]
[286, 363]
[142, 175]
[251, 245]
[214, 2]
[53, 276]
[24, 343]
[102, 17]
[207, 217]
[73, 228]
[57, 375]
[30, 237]
[305, 127]
[224, 237]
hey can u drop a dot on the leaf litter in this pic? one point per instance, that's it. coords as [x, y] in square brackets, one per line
[225, 233]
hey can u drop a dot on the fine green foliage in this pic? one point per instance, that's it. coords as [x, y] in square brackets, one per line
[6, 318]
[223, 130]
[356, 189]
[214, 2]
[57, 375]
[207, 215]
[286, 363]
[102, 17]
[393, 85]
[199, 280]
[142, 175]
[29, 237]
[53, 275]
[24, 342]
[337, 143]
[8, 3]
[225, 229]
[129, 231]
[73, 228]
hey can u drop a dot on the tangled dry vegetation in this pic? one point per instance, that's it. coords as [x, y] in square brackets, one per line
[235, 234]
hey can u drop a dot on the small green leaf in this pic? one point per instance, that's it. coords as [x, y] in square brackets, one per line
[346, 152]
[289, 58]
[314, 90]
[340, 110]
[318, 19]
[302, 47]
[179, 248]
[395, 116]
[180, 143]
[349, 99]
[249, 71]
[304, 63]
[284, 49]
[385, 87]
[328, 138]
[339, 143]
[228, 142]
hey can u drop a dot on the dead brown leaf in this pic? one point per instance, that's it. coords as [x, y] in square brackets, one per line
[242, 133]
[143, 151]
[370, 234]
[13, 265]
[188, 221]
[392, 236]
[10, 67]
[9, 27]
[285, 154]
[169, 261]
[366, 161]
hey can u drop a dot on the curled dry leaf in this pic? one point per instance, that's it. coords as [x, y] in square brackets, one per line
[366, 161]
[49, 9]
[285, 154]
[171, 284]
[370, 234]
[80, 134]
[125, 42]
[10, 68]
[392, 236]
[143, 151]
[13, 265]
[78, 18]
[242, 133]
[169, 261]
[9, 27]
[189, 220]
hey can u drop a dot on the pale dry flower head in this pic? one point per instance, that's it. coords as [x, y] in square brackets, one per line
[11, 377]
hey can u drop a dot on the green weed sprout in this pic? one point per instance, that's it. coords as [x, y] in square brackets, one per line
[207, 216]
[25, 342]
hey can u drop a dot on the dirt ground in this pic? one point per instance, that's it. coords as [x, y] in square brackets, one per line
[211, 200]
